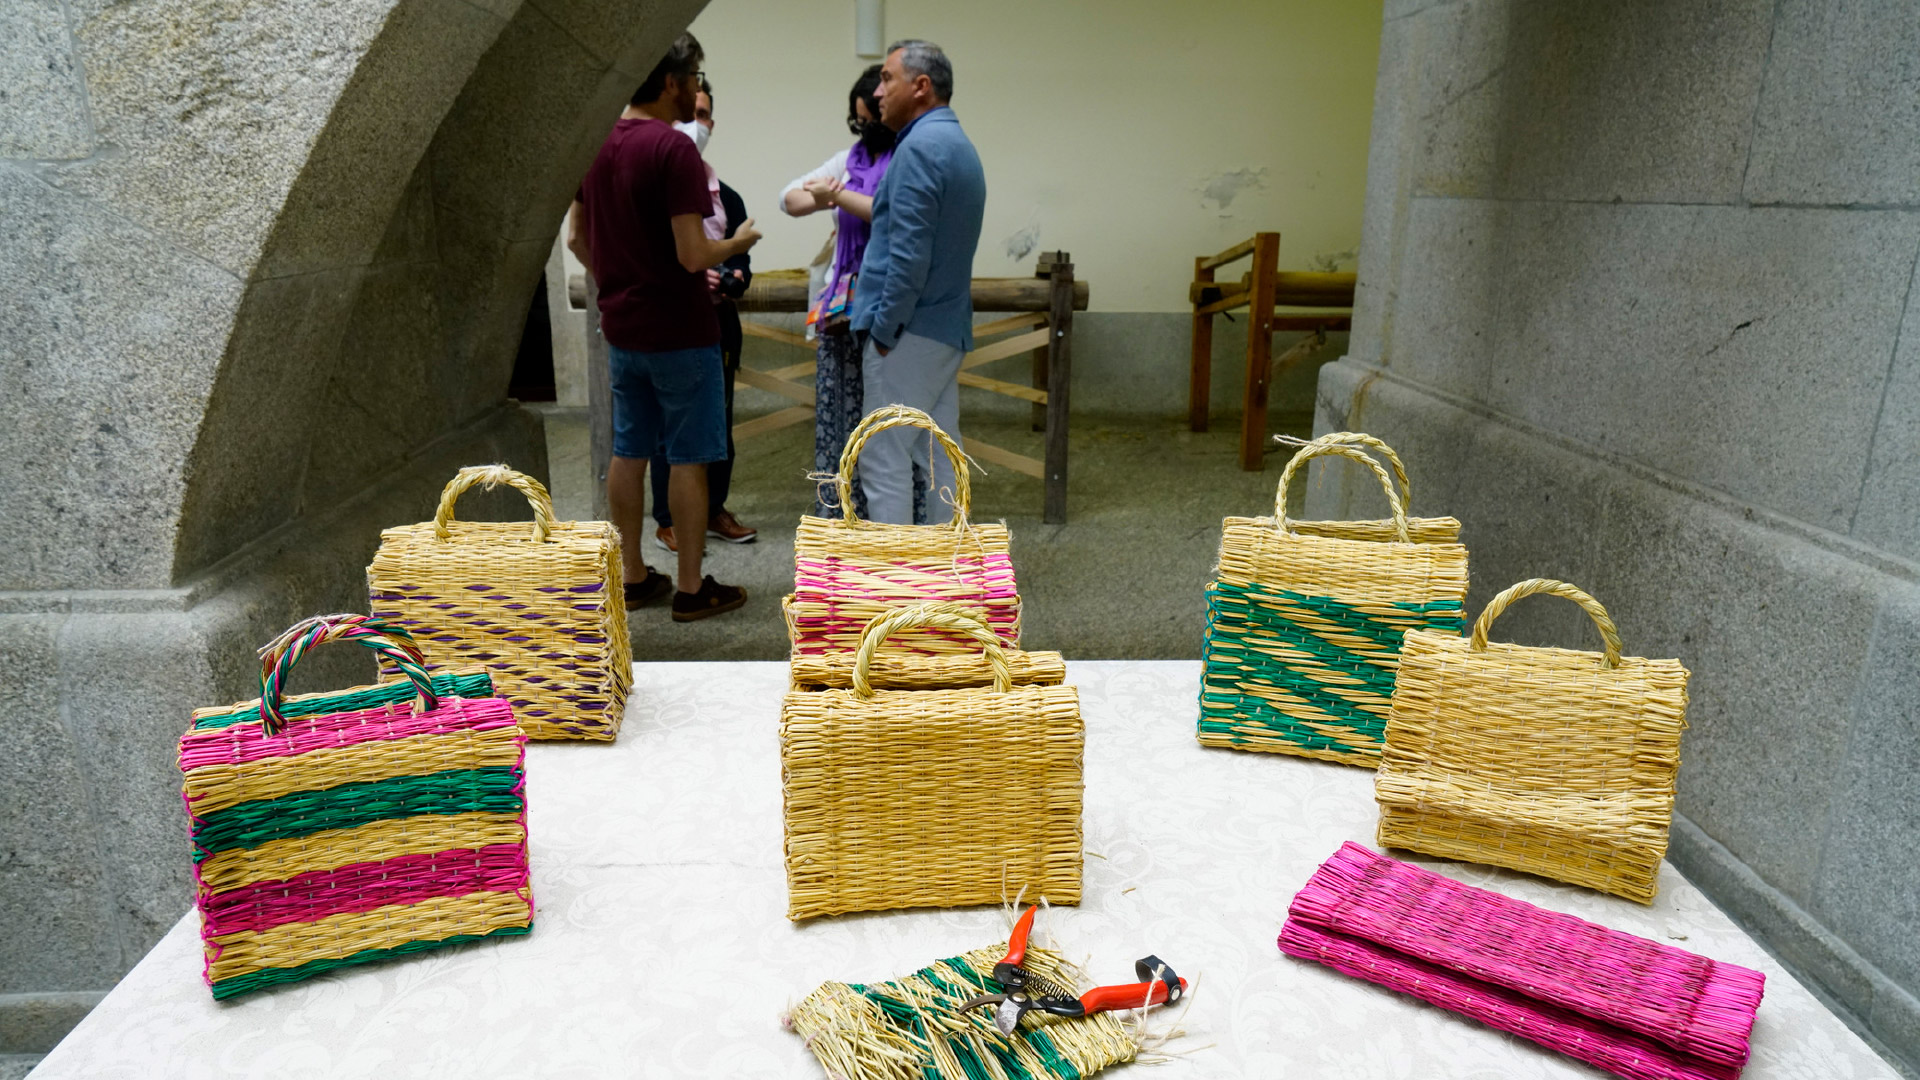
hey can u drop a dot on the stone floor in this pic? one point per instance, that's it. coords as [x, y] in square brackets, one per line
[1121, 579]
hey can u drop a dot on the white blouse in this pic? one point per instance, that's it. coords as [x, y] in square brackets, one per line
[821, 270]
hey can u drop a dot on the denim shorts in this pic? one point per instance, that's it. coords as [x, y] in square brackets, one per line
[671, 403]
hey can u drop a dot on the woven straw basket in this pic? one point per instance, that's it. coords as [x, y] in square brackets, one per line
[540, 606]
[1304, 627]
[912, 1029]
[1551, 761]
[847, 571]
[1631, 1006]
[930, 798]
[343, 828]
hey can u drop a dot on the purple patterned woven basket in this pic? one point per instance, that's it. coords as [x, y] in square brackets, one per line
[1631, 1006]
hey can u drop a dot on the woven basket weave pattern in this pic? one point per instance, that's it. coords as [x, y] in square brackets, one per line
[892, 663]
[911, 1028]
[355, 833]
[907, 798]
[1305, 620]
[541, 607]
[1635, 1007]
[1536, 759]
[848, 571]
[918, 671]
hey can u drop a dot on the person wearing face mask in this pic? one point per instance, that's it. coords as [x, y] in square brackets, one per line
[843, 184]
[728, 283]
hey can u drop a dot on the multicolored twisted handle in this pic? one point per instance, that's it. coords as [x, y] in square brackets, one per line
[392, 641]
[954, 617]
[1324, 447]
[492, 476]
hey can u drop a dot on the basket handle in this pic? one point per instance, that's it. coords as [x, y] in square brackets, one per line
[492, 476]
[944, 616]
[886, 418]
[1608, 632]
[1325, 448]
[392, 641]
[1361, 438]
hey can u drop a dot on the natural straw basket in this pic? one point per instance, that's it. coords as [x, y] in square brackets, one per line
[930, 798]
[1555, 762]
[911, 1028]
[847, 571]
[540, 606]
[891, 668]
[1304, 629]
[343, 828]
[1631, 1006]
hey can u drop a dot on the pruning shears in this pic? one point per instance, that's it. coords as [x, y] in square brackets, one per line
[1027, 991]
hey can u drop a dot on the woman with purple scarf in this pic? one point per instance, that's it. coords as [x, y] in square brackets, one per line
[844, 183]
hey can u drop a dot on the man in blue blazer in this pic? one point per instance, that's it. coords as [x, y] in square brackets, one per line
[914, 296]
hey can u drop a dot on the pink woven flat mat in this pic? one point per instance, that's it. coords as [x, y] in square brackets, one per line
[1631, 1006]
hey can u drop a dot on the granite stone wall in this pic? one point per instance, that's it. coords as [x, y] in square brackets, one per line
[263, 269]
[1634, 303]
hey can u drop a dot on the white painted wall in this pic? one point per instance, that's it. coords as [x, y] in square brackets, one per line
[1134, 135]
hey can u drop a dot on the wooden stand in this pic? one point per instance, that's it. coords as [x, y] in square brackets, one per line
[1259, 291]
[1043, 326]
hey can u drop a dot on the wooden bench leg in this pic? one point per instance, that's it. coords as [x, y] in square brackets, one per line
[1200, 369]
[1040, 382]
[1059, 377]
[1253, 421]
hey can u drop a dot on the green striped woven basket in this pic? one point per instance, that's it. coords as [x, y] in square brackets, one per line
[1305, 619]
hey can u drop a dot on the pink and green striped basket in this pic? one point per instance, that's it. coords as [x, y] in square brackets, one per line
[343, 828]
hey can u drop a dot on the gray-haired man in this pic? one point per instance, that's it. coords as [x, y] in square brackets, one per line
[915, 296]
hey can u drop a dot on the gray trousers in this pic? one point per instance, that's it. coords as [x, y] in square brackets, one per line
[925, 374]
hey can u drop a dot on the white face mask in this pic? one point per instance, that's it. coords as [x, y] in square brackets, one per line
[698, 132]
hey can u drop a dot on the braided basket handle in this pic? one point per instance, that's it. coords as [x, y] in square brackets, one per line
[943, 616]
[1325, 448]
[1361, 438]
[886, 418]
[1608, 632]
[392, 641]
[489, 477]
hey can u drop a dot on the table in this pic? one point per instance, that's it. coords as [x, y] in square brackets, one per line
[661, 948]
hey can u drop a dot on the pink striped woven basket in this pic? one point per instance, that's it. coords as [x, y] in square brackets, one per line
[1633, 1007]
[347, 827]
[848, 572]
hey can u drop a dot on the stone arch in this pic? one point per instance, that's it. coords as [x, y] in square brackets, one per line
[389, 294]
[265, 267]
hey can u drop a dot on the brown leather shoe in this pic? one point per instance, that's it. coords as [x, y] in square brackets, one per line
[664, 537]
[712, 599]
[724, 526]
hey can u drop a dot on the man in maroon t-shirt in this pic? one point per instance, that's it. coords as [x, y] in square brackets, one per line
[637, 226]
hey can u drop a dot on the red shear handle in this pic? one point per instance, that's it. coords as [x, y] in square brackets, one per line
[1130, 996]
[1017, 944]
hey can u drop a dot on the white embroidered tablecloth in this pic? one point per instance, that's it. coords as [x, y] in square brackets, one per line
[661, 948]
